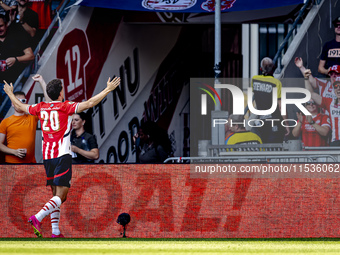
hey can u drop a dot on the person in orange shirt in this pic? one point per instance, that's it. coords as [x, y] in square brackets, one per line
[17, 135]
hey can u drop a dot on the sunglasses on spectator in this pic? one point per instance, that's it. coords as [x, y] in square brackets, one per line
[337, 25]
[336, 85]
[310, 103]
[22, 100]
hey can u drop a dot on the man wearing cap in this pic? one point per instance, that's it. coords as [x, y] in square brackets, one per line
[331, 104]
[330, 55]
[323, 85]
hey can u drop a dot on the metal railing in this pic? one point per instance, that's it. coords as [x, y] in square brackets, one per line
[215, 150]
[323, 148]
[29, 69]
[269, 153]
[257, 157]
[278, 56]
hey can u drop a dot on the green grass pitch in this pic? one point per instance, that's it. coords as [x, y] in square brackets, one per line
[169, 246]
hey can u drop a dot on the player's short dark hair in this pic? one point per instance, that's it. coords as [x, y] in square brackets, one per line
[54, 88]
[19, 93]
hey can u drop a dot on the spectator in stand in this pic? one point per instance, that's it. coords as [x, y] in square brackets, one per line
[18, 131]
[152, 143]
[25, 18]
[262, 86]
[7, 5]
[323, 85]
[84, 145]
[43, 8]
[330, 55]
[15, 53]
[313, 128]
[331, 104]
[17, 135]
[238, 133]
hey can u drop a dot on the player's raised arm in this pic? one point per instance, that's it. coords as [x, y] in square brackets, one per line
[93, 101]
[299, 63]
[15, 101]
[42, 83]
[316, 97]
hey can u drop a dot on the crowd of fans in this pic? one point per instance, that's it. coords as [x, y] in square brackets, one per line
[319, 129]
[22, 25]
[322, 127]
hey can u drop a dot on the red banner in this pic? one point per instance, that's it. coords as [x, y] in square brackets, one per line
[164, 202]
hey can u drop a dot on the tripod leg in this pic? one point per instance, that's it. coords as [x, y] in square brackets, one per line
[124, 232]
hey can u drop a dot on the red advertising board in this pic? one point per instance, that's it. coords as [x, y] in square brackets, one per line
[164, 202]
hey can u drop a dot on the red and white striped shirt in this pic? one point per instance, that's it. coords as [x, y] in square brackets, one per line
[56, 119]
[325, 88]
[311, 137]
[333, 107]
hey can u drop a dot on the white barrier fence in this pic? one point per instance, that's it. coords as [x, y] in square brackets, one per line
[271, 153]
